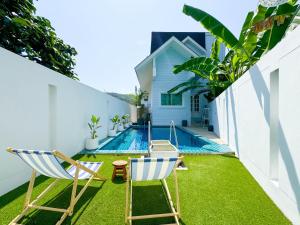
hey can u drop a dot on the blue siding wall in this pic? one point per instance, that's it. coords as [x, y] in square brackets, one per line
[164, 81]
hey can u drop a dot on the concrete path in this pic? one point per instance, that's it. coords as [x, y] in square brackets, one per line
[205, 133]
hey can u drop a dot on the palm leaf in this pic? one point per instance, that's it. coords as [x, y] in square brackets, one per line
[278, 32]
[246, 26]
[188, 88]
[251, 37]
[189, 82]
[271, 37]
[214, 26]
[215, 50]
[202, 66]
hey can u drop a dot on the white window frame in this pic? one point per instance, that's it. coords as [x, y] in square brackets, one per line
[193, 104]
[171, 106]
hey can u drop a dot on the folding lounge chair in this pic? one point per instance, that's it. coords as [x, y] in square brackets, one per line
[146, 169]
[46, 163]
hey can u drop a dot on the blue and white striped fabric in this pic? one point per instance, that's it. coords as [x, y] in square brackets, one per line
[44, 162]
[94, 166]
[151, 168]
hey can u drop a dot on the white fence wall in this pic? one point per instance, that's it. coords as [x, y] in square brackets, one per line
[259, 117]
[41, 109]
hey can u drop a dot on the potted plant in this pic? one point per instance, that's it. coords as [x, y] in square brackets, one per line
[120, 124]
[115, 120]
[125, 120]
[93, 141]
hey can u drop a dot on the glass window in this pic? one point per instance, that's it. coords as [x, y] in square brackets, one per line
[165, 99]
[171, 99]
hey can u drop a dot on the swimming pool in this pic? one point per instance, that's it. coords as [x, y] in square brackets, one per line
[135, 140]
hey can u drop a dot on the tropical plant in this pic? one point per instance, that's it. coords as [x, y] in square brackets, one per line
[137, 98]
[33, 37]
[125, 119]
[261, 31]
[116, 121]
[94, 125]
[296, 21]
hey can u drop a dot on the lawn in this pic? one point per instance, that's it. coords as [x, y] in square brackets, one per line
[215, 190]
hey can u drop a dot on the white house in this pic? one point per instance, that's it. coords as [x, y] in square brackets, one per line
[156, 77]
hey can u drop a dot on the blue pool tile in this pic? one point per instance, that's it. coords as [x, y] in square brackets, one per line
[135, 141]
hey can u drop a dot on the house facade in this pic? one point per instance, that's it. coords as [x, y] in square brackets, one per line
[156, 77]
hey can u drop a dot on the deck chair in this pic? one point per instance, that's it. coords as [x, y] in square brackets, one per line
[146, 169]
[47, 163]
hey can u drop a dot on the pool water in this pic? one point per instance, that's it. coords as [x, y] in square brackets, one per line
[136, 139]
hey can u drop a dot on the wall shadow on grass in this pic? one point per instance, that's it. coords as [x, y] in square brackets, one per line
[19, 191]
[62, 200]
[150, 200]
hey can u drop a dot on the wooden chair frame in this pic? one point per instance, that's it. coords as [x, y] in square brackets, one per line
[28, 204]
[128, 205]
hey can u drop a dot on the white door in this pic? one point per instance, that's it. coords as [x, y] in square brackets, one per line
[195, 109]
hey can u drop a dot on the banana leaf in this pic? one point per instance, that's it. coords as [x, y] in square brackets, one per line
[199, 65]
[188, 88]
[278, 32]
[214, 26]
[246, 26]
[215, 50]
[251, 37]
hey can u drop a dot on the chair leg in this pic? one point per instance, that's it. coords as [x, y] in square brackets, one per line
[165, 185]
[177, 193]
[127, 200]
[62, 218]
[130, 202]
[29, 191]
[74, 198]
[27, 199]
[74, 190]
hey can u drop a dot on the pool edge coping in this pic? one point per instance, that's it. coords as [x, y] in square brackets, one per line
[98, 151]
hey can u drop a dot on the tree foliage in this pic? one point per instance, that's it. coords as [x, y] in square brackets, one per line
[33, 37]
[261, 31]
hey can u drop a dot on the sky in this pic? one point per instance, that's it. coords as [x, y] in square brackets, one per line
[113, 36]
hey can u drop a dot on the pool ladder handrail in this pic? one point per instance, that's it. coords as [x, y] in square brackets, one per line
[172, 126]
[149, 137]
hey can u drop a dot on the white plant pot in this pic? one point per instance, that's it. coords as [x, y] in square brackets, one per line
[120, 127]
[112, 133]
[127, 125]
[92, 144]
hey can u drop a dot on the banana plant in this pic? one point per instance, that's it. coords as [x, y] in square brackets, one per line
[94, 125]
[125, 118]
[261, 31]
[116, 121]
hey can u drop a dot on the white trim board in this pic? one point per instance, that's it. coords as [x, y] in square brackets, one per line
[188, 38]
[161, 48]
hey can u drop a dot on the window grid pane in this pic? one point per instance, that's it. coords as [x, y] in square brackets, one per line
[171, 99]
[176, 99]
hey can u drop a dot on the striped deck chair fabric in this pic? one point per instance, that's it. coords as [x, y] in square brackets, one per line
[47, 164]
[94, 166]
[147, 169]
[143, 169]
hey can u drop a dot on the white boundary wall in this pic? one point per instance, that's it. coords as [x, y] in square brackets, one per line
[259, 117]
[42, 109]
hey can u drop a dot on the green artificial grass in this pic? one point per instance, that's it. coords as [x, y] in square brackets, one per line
[214, 190]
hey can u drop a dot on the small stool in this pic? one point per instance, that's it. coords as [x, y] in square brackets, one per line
[119, 169]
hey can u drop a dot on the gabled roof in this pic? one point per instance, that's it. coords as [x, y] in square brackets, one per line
[144, 70]
[162, 47]
[159, 38]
